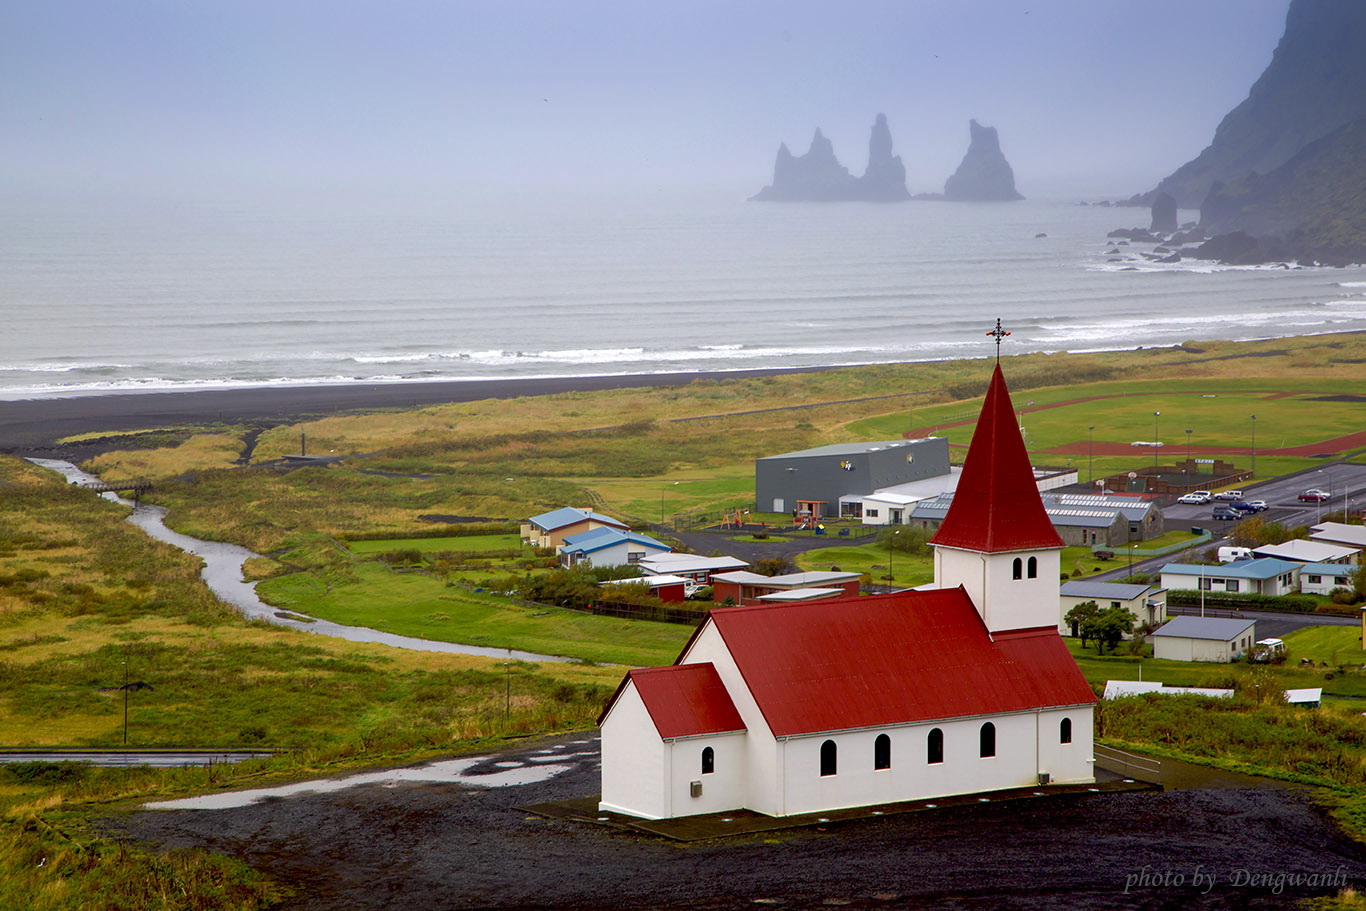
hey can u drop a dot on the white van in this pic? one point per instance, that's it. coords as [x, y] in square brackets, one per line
[1229, 495]
[1229, 554]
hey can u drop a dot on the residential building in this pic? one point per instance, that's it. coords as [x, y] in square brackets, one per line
[549, 529]
[1301, 551]
[1263, 576]
[1189, 638]
[1322, 578]
[1147, 603]
[608, 547]
[694, 567]
[743, 587]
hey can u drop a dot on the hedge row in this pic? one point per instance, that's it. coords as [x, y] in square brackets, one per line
[1190, 597]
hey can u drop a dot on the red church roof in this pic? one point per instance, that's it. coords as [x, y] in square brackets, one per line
[997, 507]
[891, 659]
[683, 700]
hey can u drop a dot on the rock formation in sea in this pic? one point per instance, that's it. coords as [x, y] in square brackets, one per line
[1315, 84]
[984, 175]
[1164, 213]
[818, 175]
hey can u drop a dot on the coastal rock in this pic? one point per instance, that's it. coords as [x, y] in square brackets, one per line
[1315, 84]
[1164, 213]
[984, 174]
[818, 175]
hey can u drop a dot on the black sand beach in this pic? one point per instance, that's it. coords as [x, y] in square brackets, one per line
[33, 426]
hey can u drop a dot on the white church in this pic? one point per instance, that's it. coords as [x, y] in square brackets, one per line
[801, 708]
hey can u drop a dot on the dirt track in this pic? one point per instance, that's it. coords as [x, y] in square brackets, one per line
[448, 846]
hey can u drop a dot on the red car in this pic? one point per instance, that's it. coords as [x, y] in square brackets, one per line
[1314, 496]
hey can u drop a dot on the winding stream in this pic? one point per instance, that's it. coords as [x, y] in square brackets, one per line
[222, 572]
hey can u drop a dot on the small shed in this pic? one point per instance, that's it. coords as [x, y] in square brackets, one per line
[1204, 639]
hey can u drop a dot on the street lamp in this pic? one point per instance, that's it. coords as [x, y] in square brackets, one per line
[1319, 503]
[1157, 441]
[661, 502]
[1090, 445]
[1188, 451]
[1254, 446]
[891, 550]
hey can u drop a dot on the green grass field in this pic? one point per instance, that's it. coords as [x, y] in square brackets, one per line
[417, 604]
[454, 544]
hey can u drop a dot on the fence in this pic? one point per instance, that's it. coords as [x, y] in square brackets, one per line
[1129, 764]
[1145, 552]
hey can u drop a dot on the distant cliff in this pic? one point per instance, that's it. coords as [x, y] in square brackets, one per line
[818, 176]
[1315, 83]
[984, 174]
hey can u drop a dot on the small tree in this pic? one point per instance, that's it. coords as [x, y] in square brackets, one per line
[1248, 533]
[1110, 626]
[1078, 618]
[1358, 582]
[775, 566]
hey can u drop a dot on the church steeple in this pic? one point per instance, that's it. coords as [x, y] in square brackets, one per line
[996, 507]
[997, 540]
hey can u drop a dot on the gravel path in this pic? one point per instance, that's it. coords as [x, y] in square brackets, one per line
[447, 846]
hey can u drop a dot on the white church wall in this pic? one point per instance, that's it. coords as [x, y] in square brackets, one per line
[912, 776]
[763, 787]
[1067, 762]
[634, 760]
[721, 789]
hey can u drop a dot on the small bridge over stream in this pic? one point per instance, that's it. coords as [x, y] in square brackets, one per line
[136, 486]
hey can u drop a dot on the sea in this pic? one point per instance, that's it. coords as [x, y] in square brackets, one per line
[118, 295]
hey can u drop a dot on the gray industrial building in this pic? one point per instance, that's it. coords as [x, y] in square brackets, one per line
[783, 483]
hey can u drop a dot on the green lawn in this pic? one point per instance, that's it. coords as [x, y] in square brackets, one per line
[416, 604]
[1332, 644]
[458, 543]
[908, 569]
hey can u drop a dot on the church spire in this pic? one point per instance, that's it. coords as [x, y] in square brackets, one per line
[996, 507]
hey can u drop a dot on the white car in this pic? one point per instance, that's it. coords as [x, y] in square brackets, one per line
[1229, 495]
[1198, 497]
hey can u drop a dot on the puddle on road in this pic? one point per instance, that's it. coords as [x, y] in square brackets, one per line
[456, 771]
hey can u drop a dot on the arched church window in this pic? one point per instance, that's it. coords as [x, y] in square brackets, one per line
[708, 761]
[1017, 569]
[882, 752]
[1065, 731]
[934, 747]
[988, 740]
[828, 758]
[1033, 567]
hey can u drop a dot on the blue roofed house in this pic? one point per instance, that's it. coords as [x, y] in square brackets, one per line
[1264, 576]
[549, 529]
[609, 547]
[1322, 578]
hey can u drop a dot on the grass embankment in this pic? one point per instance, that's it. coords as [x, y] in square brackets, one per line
[82, 592]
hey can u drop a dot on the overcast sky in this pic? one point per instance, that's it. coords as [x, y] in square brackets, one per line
[1090, 97]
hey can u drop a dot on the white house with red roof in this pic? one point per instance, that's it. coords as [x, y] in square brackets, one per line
[813, 706]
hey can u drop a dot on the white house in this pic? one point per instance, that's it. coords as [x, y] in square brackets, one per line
[812, 706]
[1301, 551]
[609, 547]
[1322, 578]
[1264, 576]
[1147, 603]
[1203, 639]
[1340, 533]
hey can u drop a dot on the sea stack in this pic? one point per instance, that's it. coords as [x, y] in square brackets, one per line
[818, 175]
[1164, 214]
[984, 175]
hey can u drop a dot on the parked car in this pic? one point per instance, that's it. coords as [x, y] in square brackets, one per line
[1313, 495]
[1225, 513]
[1229, 495]
[1244, 506]
[1198, 497]
[1258, 505]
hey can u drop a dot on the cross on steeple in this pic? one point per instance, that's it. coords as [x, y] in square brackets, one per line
[998, 333]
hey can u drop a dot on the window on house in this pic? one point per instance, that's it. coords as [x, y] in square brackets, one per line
[634, 557]
[882, 752]
[934, 747]
[988, 741]
[1232, 585]
[1206, 584]
[1114, 604]
[828, 758]
[708, 761]
[870, 513]
[1017, 569]
[1033, 567]
[1065, 731]
[1315, 579]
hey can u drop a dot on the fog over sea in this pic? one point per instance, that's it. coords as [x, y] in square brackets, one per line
[156, 296]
